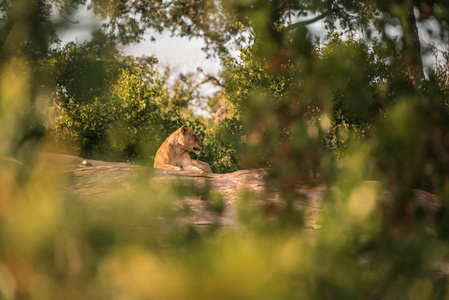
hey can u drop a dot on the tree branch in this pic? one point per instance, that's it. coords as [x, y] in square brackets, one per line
[310, 21]
[213, 80]
[71, 22]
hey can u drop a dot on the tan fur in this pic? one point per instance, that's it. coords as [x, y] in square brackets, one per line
[173, 154]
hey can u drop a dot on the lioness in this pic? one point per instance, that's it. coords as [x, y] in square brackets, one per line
[173, 154]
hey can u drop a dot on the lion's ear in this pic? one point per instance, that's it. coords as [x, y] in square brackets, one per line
[184, 129]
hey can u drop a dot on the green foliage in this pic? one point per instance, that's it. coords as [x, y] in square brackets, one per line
[83, 72]
[363, 84]
[223, 143]
[290, 100]
[121, 109]
[116, 108]
[122, 118]
[357, 84]
[248, 73]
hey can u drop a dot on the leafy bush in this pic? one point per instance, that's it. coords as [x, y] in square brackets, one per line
[126, 118]
[132, 109]
[223, 143]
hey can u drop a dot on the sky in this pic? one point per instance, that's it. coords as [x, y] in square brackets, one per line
[182, 55]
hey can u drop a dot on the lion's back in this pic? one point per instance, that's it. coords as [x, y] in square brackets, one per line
[166, 154]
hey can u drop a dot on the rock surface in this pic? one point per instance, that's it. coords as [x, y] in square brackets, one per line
[88, 179]
[91, 179]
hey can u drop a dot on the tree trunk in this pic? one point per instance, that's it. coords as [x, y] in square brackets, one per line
[411, 47]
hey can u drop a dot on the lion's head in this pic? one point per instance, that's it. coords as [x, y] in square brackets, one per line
[189, 140]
